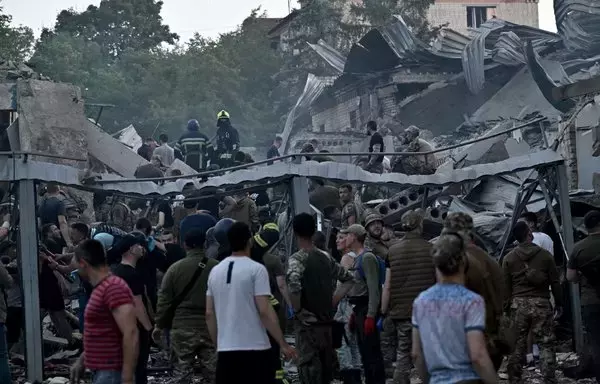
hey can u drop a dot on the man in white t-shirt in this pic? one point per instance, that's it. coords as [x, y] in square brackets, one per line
[540, 239]
[239, 314]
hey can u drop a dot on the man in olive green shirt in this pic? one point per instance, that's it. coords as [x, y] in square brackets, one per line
[188, 334]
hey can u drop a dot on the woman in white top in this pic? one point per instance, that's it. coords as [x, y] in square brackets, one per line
[348, 354]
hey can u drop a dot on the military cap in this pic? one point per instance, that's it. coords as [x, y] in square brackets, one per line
[412, 220]
[458, 221]
[373, 217]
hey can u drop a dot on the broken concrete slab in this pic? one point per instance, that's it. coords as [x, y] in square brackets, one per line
[51, 120]
[111, 152]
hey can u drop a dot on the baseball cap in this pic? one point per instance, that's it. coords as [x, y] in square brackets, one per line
[354, 229]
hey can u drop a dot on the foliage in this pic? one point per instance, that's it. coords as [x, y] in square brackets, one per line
[381, 12]
[118, 25]
[158, 89]
[16, 43]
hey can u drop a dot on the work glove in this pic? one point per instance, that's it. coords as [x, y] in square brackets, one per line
[370, 326]
[352, 322]
[380, 324]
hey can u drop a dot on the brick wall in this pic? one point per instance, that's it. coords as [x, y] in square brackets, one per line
[455, 12]
[337, 119]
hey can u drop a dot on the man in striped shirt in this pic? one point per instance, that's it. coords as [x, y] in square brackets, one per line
[110, 336]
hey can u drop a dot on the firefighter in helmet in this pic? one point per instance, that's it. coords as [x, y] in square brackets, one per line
[228, 140]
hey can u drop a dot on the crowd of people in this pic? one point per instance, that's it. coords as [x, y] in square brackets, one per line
[373, 304]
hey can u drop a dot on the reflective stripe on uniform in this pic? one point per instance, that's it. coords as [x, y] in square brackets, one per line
[273, 300]
[280, 374]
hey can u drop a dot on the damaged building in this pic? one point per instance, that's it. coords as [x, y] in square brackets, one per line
[479, 83]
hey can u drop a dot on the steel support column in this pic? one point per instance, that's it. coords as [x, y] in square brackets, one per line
[28, 252]
[300, 200]
[567, 234]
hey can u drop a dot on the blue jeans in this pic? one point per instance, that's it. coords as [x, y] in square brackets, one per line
[4, 367]
[107, 377]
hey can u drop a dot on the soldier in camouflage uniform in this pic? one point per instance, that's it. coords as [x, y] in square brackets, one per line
[309, 276]
[414, 165]
[189, 338]
[349, 211]
[389, 341]
[528, 271]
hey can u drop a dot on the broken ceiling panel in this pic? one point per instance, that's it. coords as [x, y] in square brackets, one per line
[129, 137]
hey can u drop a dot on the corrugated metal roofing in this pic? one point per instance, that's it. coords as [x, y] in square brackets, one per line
[330, 55]
[337, 171]
[312, 89]
[506, 40]
[578, 23]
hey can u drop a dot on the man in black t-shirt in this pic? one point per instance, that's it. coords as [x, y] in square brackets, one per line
[376, 145]
[53, 211]
[132, 248]
[165, 215]
[274, 150]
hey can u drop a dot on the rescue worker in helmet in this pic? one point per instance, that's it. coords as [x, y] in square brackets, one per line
[228, 140]
[195, 147]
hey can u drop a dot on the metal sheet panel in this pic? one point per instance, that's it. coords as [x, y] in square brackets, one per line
[16, 169]
[330, 55]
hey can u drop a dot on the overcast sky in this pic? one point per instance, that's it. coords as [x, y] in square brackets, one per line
[208, 17]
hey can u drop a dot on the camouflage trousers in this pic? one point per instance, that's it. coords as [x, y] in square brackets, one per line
[389, 342]
[535, 315]
[192, 348]
[348, 355]
[315, 354]
[403, 330]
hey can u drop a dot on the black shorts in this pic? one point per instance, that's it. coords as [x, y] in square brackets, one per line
[247, 367]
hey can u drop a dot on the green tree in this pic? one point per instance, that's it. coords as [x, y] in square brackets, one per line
[118, 25]
[377, 13]
[16, 43]
[164, 88]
